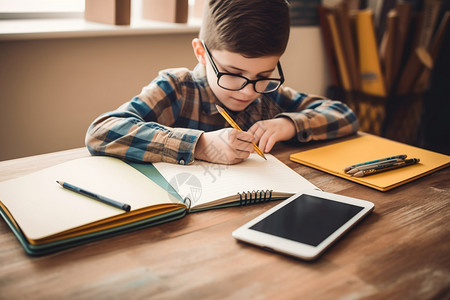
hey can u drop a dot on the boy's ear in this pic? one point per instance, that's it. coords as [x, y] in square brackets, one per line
[199, 51]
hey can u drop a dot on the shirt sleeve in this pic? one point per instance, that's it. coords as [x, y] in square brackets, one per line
[140, 130]
[315, 117]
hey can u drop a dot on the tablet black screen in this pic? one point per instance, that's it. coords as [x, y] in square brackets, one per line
[307, 219]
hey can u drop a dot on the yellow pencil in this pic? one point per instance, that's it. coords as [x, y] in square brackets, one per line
[236, 126]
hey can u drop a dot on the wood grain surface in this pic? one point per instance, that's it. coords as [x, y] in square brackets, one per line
[400, 251]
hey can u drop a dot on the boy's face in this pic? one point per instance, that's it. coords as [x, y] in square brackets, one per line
[251, 68]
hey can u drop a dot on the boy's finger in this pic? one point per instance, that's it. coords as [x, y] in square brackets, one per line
[257, 134]
[245, 146]
[245, 136]
[270, 143]
[263, 142]
[252, 129]
[243, 154]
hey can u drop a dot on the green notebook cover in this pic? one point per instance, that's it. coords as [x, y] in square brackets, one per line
[45, 249]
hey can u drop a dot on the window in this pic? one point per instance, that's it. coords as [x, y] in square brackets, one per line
[25, 9]
[22, 19]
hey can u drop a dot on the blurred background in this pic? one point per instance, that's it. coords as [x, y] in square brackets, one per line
[59, 71]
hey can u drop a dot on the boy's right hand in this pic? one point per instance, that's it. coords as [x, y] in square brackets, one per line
[225, 146]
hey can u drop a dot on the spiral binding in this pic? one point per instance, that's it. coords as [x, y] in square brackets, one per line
[188, 202]
[254, 197]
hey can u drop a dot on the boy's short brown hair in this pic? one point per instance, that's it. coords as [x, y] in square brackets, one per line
[253, 28]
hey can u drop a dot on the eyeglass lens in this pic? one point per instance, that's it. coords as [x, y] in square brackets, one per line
[234, 82]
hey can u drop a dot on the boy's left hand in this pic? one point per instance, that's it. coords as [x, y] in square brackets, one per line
[268, 132]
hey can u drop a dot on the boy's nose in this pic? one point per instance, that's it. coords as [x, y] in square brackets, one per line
[249, 89]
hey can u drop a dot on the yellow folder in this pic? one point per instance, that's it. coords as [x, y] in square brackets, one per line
[334, 158]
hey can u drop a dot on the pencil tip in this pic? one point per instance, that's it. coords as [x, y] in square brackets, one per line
[352, 171]
[220, 109]
[262, 154]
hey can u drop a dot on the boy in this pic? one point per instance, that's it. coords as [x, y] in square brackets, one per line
[175, 119]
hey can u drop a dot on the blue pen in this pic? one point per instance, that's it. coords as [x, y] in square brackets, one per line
[402, 156]
[117, 204]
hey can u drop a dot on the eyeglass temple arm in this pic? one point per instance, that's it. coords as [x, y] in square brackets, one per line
[210, 58]
[280, 71]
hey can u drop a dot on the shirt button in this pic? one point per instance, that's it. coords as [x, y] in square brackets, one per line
[181, 162]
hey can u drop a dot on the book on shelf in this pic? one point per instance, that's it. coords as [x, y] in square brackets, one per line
[423, 33]
[47, 218]
[430, 19]
[340, 55]
[387, 49]
[387, 44]
[328, 44]
[403, 11]
[422, 82]
[380, 17]
[372, 80]
[346, 35]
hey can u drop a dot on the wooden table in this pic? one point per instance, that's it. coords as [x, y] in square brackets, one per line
[400, 251]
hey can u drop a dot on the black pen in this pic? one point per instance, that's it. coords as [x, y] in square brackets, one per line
[117, 204]
[387, 167]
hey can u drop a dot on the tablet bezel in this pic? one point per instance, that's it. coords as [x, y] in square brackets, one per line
[294, 248]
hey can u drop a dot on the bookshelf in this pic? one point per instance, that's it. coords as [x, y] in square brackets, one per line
[383, 60]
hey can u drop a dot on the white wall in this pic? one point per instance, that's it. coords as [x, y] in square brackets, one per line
[304, 61]
[52, 89]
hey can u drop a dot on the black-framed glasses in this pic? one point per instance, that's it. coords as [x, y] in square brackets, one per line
[235, 82]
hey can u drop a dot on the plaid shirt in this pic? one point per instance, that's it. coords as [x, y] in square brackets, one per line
[164, 122]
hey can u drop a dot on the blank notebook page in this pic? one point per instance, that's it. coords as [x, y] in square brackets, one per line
[214, 181]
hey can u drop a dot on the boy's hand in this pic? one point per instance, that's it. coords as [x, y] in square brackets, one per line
[225, 146]
[268, 132]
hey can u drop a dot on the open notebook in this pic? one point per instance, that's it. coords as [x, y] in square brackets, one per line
[47, 218]
[334, 158]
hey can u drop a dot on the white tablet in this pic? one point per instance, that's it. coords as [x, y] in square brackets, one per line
[305, 224]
